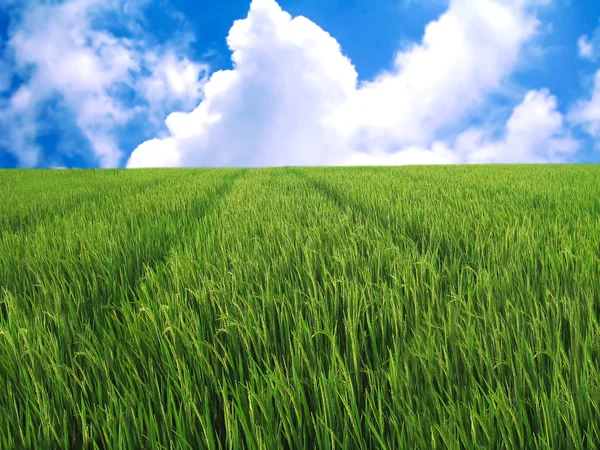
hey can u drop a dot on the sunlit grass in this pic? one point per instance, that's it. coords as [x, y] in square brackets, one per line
[415, 307]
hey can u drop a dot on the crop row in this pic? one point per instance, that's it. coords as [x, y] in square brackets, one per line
[301, 308]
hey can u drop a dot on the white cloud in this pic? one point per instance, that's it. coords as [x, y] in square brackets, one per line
[175, 82]
[588, 47]
[18, 134]
[289, 75]
[156, 153]
[585, 47]
[64, 54]
[71, 59]
[439, 153]
[293, 97]
[534, 132]
[465, 54]
[587, 111]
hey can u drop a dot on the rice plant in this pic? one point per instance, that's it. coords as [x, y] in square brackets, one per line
[331, 308]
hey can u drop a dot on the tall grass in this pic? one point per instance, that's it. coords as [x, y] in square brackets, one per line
[330, 308]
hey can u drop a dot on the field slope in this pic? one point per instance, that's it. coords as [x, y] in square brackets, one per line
[301, 308]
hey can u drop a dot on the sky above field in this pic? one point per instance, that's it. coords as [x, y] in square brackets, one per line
[116, 83]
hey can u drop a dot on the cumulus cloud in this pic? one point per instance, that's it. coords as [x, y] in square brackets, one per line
[65, 52]
[534, 132]
[586, 112]
[289, 76]
[463, 56]
[588, 46]
[174, 81]
[294, 98]
[17, 128]
[438, 153]
[585, 48]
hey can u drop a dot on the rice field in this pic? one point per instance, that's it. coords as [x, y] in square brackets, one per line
[301, 308]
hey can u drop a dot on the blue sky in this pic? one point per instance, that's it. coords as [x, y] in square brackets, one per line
[117, 83]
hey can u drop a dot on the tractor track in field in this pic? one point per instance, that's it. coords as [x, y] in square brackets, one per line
[361, 212]
[201, 209]
[358, 214]
[414, 233]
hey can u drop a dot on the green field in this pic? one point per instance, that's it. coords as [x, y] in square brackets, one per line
[301, 308]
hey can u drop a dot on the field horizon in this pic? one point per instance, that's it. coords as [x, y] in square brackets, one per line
[367, 307]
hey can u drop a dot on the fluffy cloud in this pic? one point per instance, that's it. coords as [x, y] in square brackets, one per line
[587, 111]
[588, 47]
[585, 47]
[294, 98]
[289, 76]
[175, 81]
[65, 54]
[534, 133]
[464, 55]
[439, 153]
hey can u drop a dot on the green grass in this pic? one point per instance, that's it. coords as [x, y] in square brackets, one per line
[331, 308]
